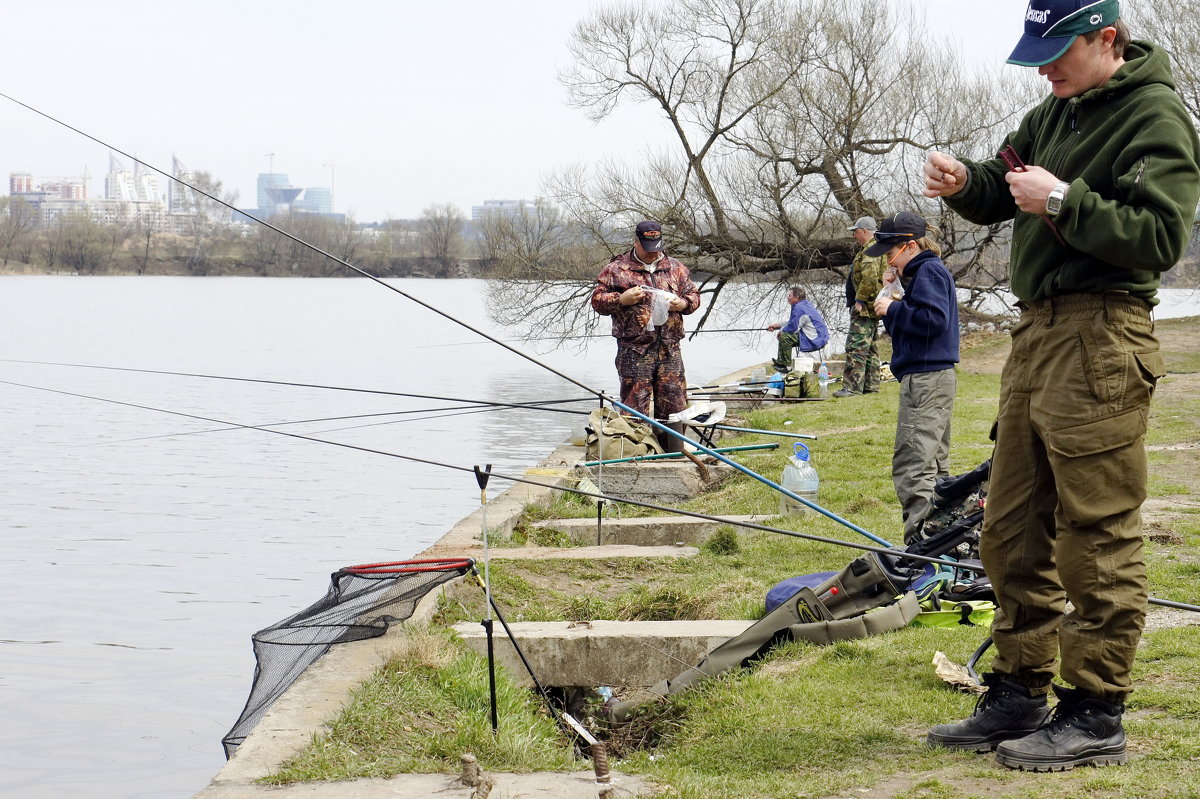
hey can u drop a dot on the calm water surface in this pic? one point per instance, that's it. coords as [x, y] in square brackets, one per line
[143, 548]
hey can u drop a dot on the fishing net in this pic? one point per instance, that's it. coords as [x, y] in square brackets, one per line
[361, 603]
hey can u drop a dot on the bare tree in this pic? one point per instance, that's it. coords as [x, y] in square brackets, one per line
[790, 118]
[542, 269]
[1177, 30]
[18, 221]
[441, 228]
[208, 221]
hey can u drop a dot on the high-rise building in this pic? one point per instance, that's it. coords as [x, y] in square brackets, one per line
[138, 185]
[316, 200]
[266, 182]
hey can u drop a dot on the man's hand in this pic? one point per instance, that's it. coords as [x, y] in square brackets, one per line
[774, 326]
[944, 175]
[1031, 188]
[678, 304]
[882, 304]
[632, 296]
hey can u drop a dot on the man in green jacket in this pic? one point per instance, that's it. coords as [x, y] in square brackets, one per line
[1104, 206]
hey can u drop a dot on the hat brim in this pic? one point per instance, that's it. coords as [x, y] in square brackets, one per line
[1034, 51]
[651, 245]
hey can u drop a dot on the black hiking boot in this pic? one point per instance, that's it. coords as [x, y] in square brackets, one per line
[1084, 731]
[1005, 712]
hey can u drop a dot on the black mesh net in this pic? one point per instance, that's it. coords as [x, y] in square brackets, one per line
[361, 603]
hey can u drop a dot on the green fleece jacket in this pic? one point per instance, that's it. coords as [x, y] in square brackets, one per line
[1130, 153]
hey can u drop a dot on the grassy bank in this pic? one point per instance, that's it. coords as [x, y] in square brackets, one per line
[809, 721]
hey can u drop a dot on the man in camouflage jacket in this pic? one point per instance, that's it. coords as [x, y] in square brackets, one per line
[648, 361]
[861, 373]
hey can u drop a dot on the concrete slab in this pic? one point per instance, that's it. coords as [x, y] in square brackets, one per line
[646, 531]
[590, 553]
[543, 785]
[659, 483]
[619, 653]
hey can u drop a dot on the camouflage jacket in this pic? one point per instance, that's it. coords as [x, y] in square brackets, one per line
[629, 321]
[867, 275]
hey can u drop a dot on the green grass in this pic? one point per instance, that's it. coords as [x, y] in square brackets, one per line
[844, 720]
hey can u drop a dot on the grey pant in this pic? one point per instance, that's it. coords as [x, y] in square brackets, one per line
[922, 451]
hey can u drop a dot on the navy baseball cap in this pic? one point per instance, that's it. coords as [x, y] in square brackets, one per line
[1052, 25]
[899, 228]
[650, 235]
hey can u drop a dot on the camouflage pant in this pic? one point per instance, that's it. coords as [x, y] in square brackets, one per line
[862, 355]
[784, 360]
[657, 372]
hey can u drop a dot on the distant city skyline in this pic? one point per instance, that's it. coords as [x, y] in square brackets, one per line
[392, 107]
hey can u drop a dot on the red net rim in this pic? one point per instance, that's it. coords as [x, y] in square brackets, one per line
[412, 566]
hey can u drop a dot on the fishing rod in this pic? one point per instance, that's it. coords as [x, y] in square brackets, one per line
[881, 550]
[600, 395]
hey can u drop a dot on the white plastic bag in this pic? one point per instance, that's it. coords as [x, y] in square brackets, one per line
[660, 306]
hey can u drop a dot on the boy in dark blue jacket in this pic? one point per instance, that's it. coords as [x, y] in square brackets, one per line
[923, 325]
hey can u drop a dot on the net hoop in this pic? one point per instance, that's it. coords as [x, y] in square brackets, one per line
[411, 566]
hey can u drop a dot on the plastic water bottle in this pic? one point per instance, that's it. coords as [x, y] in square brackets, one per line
[823, 378]
[799, 477]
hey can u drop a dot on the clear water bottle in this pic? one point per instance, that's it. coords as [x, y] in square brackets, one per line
[823, 378]
[799, 477]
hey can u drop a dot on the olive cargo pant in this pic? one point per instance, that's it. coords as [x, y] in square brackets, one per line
[922, 450]
[1068, 478]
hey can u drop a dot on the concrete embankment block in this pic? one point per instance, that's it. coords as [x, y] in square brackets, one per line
[658, 483]
[627, 654]
[646, 531]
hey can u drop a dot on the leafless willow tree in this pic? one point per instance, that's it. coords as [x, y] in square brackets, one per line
[441, 226]
[208, 224]
[790, 118]
[18, 223]
[542, 267]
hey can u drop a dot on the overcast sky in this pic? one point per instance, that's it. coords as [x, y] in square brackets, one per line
[413, 102]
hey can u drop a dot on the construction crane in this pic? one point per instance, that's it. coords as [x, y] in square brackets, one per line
[333, 166]
[270, 162]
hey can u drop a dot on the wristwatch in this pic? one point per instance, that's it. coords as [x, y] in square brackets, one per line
[1055, 200]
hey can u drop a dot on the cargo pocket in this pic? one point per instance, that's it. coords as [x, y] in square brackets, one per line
[1100, 467]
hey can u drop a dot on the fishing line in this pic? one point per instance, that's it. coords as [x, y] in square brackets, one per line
[313, 247]
[599, 394]
[462, 412]
[890, 551]
[292, 384]
[593, 335]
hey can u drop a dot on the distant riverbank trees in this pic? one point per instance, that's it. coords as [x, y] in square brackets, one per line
[789, 119]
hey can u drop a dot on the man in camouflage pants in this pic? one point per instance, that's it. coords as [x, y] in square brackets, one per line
[648, 361]
[861, 373]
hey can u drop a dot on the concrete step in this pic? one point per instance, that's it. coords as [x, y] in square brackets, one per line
[648, 531]
[617, 653]
[657, 482]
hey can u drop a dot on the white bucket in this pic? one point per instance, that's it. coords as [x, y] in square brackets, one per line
[804, 364]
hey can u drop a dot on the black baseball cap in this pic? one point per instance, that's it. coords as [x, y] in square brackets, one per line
[649, 233]
[897, 229]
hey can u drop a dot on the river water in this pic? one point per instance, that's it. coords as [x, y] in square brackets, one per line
[143, 548]
[144, 545]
